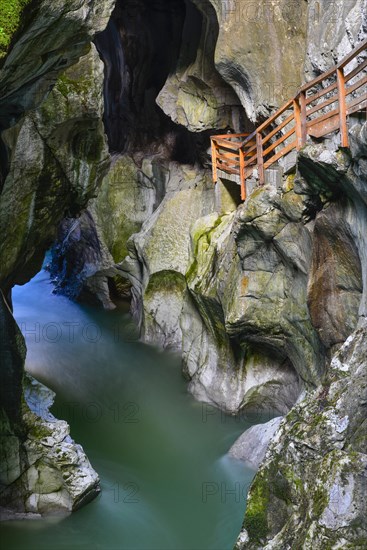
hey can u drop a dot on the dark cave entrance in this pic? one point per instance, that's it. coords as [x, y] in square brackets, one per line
[144, 42]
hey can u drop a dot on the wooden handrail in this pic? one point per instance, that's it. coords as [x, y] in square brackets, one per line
[243, 157]
[273, 117]
[350, 56]
[230, 135]
[345, 61]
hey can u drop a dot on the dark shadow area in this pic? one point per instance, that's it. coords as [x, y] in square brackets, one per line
[144, 42]
[140, 48]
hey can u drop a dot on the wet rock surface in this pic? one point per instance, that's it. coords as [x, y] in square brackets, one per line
[59, 157]
[52, 39]
[53, 155]
[43, 471]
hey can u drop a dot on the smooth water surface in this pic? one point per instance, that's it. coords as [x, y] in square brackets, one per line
[167, 483]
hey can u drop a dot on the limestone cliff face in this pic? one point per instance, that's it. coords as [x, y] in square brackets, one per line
[42, 470]
[260, 50]
[310, 491]
[58, 156]
[333, 28]
[53, 154]
[51, 38]
[195, 95]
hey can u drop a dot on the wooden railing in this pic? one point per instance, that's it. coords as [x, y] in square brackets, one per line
[319, 108]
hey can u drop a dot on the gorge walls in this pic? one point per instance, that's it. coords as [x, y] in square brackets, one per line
[309, 491]
[238, 290]
[53, 156]
[258, 297]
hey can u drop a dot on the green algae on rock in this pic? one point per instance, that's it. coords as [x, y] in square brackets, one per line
[11, 12]
[310, 489]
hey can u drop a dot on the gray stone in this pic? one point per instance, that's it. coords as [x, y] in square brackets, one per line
[273, 176]
[311, 487]
[334, 28]
[289, 162]
[44, 50]
[261, 77]
[56, 476]
[195, 95]
[252, 445]
[64, 144]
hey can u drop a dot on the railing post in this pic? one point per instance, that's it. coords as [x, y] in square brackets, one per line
[242, 174]
[299, 106]
[342, 108]
[297, 121]
[302, 105]
[260, 158]
[214, 161]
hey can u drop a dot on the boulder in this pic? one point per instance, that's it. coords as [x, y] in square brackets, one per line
[252, 445]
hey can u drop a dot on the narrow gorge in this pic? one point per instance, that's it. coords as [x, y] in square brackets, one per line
[231, 332]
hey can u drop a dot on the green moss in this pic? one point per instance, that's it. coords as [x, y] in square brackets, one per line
[292, 478]
[67, 85]
[289, 184]
[255, 522]
[36, 428]
[116, 206]
[10, 20]
[320, 501]
[201, 239]
[166, 280]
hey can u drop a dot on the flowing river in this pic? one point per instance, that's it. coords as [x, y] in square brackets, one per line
[166, 481]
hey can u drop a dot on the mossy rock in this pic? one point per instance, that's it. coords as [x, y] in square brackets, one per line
[166, 281]
[256, 523]
[11, 15]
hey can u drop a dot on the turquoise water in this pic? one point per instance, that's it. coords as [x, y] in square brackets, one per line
[167, 483]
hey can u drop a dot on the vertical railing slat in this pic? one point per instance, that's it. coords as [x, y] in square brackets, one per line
[242, 175]
[302, 105]
[214, 161]
[342, 108]
[260, 158]
[297, 121]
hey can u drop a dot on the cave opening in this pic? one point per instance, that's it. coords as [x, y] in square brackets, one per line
[144, 43]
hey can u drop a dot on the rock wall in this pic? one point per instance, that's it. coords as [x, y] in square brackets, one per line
[53, 154]
[260, 50]
[42, 470]
[310, 491]
[58, 156]
[333, 29]
[194, 94]
[50, 39]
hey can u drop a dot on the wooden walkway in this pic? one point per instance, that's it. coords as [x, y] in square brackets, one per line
[319, 108]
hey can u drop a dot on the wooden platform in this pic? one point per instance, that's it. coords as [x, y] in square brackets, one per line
[320, 107]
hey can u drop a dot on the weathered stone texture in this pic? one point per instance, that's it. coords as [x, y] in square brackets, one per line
[310, 491]
[42, 470]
